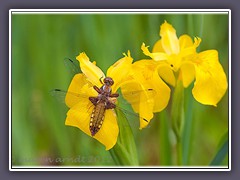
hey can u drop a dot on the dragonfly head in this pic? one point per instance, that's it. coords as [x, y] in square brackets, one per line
[108, 81]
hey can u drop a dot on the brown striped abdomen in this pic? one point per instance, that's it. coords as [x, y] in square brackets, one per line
[97, 118]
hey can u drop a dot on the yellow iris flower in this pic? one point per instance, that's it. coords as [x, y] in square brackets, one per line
[81, 108]
[154, 94]
[172, 55]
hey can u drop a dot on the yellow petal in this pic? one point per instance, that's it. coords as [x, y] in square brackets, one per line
[161, 94]
[188, 48]
[119, 70]
[92, 72]
[185, 41]
[166, 73]
[158, 56]
[135, 91]
[197, 41]
[211, 81]
[133, 98]
[153, 94]
[169, 39]
[78, 90]
[158, 47]
[140, 100]
[147, 74]
[145, 108]
[79, 116]
[187, 73]
[155, 100]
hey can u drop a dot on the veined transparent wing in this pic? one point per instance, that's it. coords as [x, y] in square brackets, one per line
[136, 96]
[60, 95]
[72, 66]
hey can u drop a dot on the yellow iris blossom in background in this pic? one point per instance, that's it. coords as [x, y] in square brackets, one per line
[154, 95]
[174, 57]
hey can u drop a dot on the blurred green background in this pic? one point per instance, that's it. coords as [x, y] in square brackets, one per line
[40, 42]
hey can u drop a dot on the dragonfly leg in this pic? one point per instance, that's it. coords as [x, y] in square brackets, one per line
[100, 79]
[97, 89]
[114, 95]
[94, 100]
[110, 105]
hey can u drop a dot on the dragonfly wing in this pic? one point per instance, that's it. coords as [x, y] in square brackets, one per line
[136, 97]
[61, 95]
[72, 65]
[130, 113]
[133, 118]
[141, 102]
[74, 68]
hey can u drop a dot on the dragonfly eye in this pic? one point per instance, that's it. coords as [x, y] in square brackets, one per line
[108, 81]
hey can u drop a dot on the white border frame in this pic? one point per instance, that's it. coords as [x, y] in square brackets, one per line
[117, 11]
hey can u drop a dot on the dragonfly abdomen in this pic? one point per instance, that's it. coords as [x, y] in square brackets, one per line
[97, 118]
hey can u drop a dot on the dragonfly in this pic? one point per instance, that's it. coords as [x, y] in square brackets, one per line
[103, 101]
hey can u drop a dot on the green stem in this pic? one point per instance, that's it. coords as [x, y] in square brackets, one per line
[187, 130]
[179, 152]
[165, 146]
[177, 115]
[125, 151]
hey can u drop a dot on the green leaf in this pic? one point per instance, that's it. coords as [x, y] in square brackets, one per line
[124, 152]
[177, 111]
[177, 115]
[222, 150]
[187, 130]
[165, 146]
